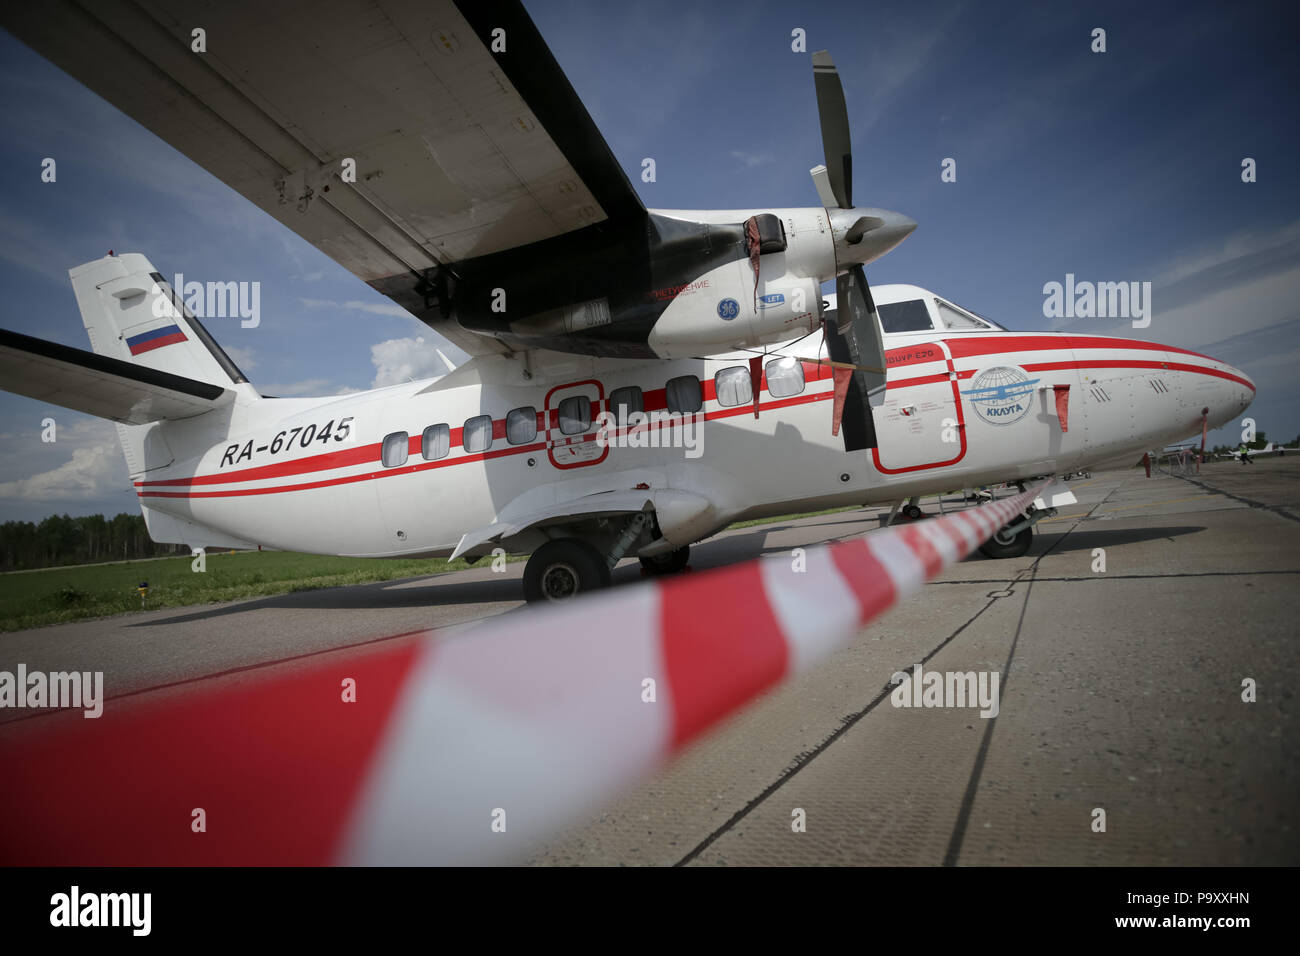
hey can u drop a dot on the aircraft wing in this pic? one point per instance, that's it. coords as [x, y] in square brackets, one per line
[460, 150]
[100, 385]
[536, 717]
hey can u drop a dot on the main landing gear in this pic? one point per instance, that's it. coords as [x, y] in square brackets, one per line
[561, 568]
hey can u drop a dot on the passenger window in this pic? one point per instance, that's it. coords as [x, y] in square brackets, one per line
[395, 449]
[785, 377]
[575, 414]
[477, 434]
[624, 401]
[685, 396]
[521, 425]
[732, 386]
[435, 443]
[910, 316]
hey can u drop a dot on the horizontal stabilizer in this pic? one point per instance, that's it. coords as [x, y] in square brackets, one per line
[100, 385]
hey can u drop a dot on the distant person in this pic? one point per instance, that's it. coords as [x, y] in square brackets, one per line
[1245, 454]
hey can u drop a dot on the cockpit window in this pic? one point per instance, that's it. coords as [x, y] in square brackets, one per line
[954, 318]
[910, 316]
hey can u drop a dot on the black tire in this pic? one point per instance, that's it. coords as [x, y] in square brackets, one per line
[669, 563]
[562, 568]
[912, 511]
[999, 546]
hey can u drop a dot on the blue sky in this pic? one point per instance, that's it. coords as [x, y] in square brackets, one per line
[1122, 166]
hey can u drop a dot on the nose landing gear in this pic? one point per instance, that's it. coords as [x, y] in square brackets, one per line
[562, 568]
[1013, 540]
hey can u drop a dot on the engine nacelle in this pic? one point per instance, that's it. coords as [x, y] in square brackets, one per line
[723, 310]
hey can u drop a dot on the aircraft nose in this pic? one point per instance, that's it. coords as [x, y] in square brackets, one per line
[1232, 395]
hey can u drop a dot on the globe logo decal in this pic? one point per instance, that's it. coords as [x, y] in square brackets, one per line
[1002, 395]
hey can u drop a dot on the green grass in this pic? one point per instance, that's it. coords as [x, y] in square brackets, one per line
[56, 595]
[801, 514]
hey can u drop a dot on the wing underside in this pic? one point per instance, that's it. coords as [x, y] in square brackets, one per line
[464, 135]
[99, 385]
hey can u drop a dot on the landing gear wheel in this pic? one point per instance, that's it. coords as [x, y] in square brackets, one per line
[912, 511]
[562, 568]
[669, 563]
[1003, 545]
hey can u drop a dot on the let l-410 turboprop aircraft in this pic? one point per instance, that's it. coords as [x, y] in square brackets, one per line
[639, 378]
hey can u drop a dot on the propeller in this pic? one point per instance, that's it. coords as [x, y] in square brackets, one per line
[834, 115]
[856, 340]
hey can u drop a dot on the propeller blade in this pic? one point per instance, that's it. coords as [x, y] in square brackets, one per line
[855, 344]
[859, 323]
[834, 116]
[823, 183]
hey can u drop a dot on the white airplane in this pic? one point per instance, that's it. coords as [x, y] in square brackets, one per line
[1271, 448]
[639, 378]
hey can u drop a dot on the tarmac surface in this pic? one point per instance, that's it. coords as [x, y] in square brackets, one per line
[1121, 691]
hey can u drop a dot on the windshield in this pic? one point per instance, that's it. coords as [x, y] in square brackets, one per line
[910, 316]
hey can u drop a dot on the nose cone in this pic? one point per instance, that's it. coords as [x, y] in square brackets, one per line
[1231, 394]
[1244, 387]
[863, 235]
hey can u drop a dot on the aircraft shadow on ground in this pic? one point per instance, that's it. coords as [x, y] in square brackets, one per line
[1107, 538]
[448, 589]
[443, 590]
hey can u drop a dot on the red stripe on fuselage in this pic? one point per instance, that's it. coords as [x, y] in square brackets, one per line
[970, 345]
[654, 400]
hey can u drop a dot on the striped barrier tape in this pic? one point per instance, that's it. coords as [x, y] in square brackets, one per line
[472, 748]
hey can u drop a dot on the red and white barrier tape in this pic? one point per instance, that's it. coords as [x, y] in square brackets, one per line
[464, 749]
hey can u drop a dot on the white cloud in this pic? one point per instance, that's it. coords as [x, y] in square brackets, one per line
[375, 308]
[405, 360]
[95, 472]
[750, 160]
[245, 358]
[22, 244]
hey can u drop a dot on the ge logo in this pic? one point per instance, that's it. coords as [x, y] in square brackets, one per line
[728, 309]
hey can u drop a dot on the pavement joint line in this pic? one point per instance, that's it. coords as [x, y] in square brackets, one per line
[49, 712]
[1275, 509]
[958, 836]
[803, 759]
[806, 757]
[1102, 576]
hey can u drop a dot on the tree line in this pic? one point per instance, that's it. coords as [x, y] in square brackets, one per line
[88, 539]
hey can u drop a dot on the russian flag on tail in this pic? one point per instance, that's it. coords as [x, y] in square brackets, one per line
[155, 339]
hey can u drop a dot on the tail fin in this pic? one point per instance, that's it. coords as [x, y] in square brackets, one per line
[131, 313]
